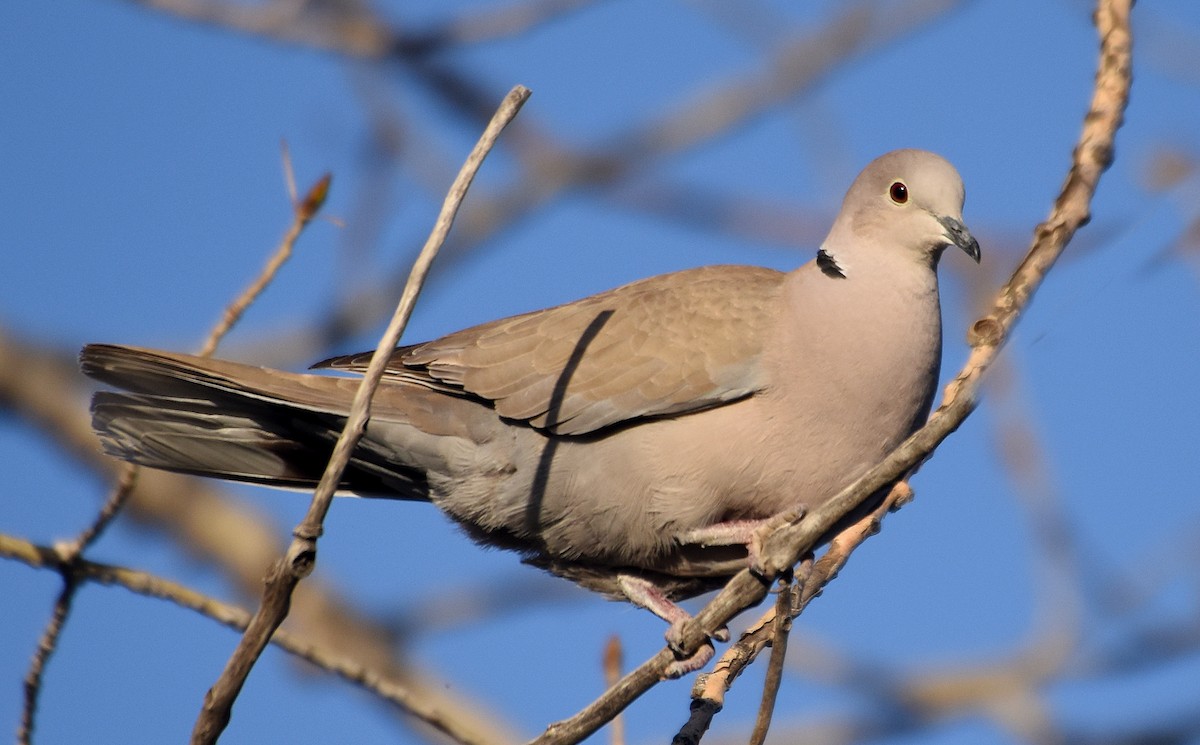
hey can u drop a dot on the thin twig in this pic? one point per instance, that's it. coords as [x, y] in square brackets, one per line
[71, 552]
[304, 211]
[47, 644]
[126, 480]
[783, 546]
[301, 554]
[708, 693]
[781, 625]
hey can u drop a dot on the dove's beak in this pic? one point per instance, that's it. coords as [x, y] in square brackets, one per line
[958, 235]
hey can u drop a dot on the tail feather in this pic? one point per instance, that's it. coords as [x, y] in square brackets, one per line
[216, 418]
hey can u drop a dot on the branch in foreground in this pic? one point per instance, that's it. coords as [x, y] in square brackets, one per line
[301, 554]
[784, 546]
[72, 551]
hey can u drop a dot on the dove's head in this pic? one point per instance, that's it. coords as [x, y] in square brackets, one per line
[907, 200]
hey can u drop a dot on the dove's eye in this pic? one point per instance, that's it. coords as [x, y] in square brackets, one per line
[898, 192]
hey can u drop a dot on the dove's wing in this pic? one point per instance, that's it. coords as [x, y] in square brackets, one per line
[671, 344]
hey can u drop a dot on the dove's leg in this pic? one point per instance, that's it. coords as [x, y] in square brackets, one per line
[644, 593]
[737, 533]
[732, 533]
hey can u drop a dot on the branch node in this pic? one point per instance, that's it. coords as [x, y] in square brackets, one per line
[314, 199]
[986, 332]
[309, 531]
[301, 556]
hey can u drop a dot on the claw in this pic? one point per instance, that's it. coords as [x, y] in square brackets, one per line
[646, 594]
[746, 533]
[683, 666]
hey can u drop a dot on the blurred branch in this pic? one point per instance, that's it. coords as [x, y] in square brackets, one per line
[1172, 47]
[47, 390]
[775, 223]
[1173, 170]
[352, 28]
[1057, 555]
[346, 26]
[456, 606]
[364, 676]
[506, 21]
[552, 170]
[614, 659]
[1009, 690]
[797, 64]
[783, 546]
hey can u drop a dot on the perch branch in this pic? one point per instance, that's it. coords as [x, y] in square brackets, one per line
[987, 336]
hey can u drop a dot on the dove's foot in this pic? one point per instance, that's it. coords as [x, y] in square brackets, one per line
[746, 533]
[682, 666]
[645, 594]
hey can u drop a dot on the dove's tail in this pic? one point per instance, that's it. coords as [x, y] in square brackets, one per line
[210, 417]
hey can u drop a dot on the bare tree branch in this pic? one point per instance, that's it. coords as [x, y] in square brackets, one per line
[72, 552]
[300, 557]
[782, 547]
[781, 625]
[304, 211]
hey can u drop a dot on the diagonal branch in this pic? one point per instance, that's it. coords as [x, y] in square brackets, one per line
[300, 557]
[708, 695]
[785, 545]
[72, 551]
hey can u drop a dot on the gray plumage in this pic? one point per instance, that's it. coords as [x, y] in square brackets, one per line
[620, 435]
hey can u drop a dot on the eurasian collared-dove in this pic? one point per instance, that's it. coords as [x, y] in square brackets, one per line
[630, 441]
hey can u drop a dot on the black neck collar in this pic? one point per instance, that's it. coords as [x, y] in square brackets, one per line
[828, 265]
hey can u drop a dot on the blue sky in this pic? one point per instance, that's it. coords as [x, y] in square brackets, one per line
[141, 190]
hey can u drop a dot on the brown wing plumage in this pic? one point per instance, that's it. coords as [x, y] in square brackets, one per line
[646, 349]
